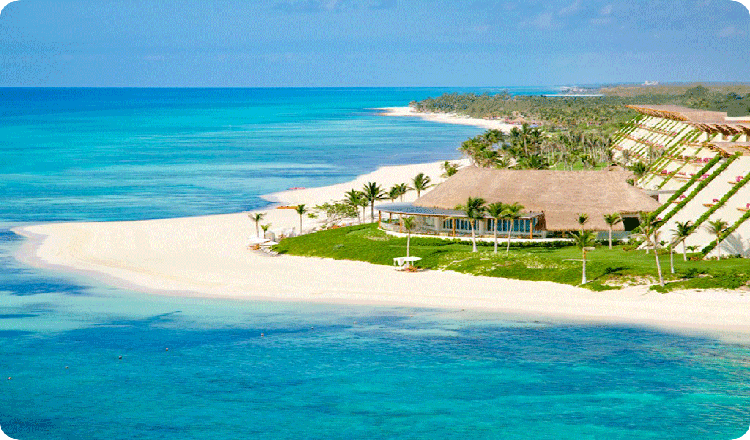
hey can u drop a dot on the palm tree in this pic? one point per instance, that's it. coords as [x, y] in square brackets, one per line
[681, 233]
[301, 210]
[402, 190]
[650, 231]
[363, 203]
[670, 246]
[354, 198]
[639, 169]
[421, 183]
[496, 211]
[449, 169]
[611, 220]
[372, 192]
[257, 217]
[393, 193]
[582, 220]
[474, 210]
[717, 227]
[265, 228]
[584, 241]
[511, 213]
[408, 223]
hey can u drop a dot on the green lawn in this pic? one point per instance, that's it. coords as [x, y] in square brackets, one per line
[605, 267]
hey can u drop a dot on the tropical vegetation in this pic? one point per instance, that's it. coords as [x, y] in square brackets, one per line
[558, 261]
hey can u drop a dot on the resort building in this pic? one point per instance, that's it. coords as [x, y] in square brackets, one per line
[700, 167]
[552, 201]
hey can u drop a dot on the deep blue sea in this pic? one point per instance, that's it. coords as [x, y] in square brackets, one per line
[221, 369]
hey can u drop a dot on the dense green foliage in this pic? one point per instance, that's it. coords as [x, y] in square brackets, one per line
[608, 113]
[567, 112]
[532, 148]
[554, 261]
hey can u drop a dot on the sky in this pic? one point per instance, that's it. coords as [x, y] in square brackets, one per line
[347, 43]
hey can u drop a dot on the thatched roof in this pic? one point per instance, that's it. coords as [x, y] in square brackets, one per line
[561, 195]
[680, 113]
[705, 120]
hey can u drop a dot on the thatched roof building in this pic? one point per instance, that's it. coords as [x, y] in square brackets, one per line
[556, 196]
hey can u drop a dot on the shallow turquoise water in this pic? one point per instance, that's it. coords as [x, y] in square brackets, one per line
[108, 154]
[318, 371]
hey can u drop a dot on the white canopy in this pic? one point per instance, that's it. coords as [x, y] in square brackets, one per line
[257, 240]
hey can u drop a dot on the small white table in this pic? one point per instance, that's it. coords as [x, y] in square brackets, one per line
[401, 262]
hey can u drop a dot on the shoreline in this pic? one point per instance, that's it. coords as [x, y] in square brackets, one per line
[207, 256]
[446, 118]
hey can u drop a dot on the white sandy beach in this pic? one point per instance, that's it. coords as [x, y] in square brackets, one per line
[208, 256]
[446, 118]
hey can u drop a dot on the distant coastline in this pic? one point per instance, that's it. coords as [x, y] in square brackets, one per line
[446, 118]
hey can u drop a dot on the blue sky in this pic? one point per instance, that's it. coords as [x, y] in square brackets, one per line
[269, 43]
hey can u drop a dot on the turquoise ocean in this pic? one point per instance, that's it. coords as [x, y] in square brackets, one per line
[194, 368]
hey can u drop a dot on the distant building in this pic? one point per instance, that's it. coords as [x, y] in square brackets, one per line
[701, 162]
[552, 201]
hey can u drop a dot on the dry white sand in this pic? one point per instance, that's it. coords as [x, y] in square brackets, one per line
[446, 118]
[208, 256]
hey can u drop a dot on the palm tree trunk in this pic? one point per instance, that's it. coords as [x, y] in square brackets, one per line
[671, 258]
[300, 224]
[684, 250]
[408, 242]
[495, 236]
[610, 238]
[658, 266]
[583, 273]
[473, 236]
[507, 250]
[257, 230]
[372, 211]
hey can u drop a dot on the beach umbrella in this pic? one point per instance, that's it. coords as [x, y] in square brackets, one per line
[257, 240]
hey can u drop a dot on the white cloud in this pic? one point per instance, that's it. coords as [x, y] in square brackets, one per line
[4, 3]
[730, 31]
[571, 9]
[745, 3]
[543, 21]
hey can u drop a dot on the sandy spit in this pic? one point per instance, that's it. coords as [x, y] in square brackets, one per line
[208, 256]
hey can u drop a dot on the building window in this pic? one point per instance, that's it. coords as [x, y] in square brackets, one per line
[461, 224]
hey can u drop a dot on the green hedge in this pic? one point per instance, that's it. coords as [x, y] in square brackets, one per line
[699, 187]
[720, 203]
[684, 188]
[664, 182]
[726, 233]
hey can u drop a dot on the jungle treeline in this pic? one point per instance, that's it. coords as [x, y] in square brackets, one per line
[605, 113]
